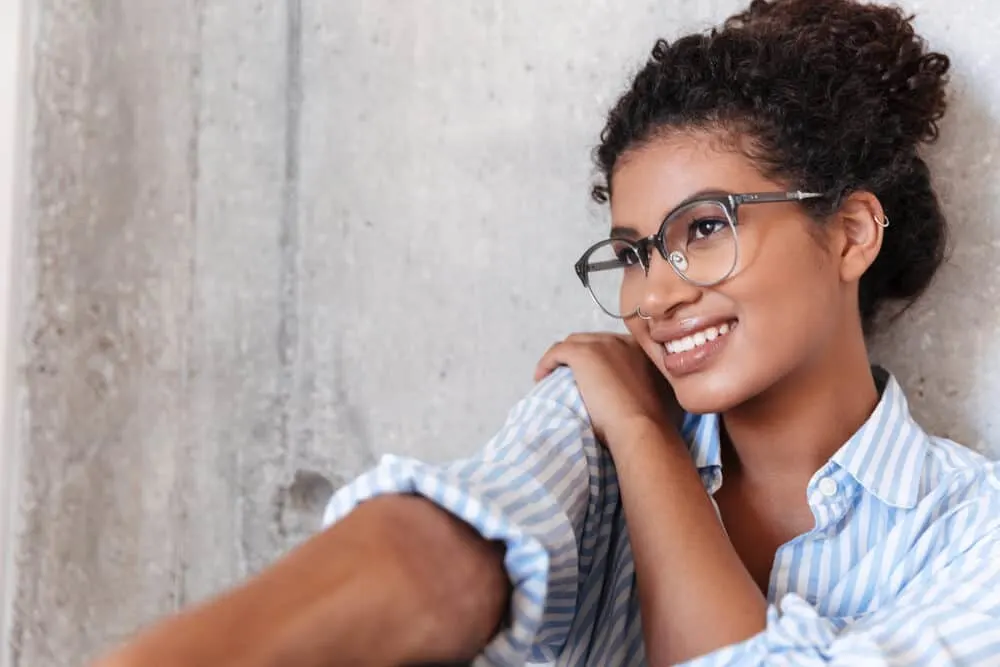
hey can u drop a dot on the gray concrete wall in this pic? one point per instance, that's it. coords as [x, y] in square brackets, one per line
[268, 242]
[11, 207]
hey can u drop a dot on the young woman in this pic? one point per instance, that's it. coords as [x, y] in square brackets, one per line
[733, 471]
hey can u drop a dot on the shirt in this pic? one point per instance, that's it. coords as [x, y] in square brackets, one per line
[902, 567]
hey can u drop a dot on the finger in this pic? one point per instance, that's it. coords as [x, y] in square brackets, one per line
[547, 363]
[591, 337]
[604, 338]
[553, 358]
[626, 338]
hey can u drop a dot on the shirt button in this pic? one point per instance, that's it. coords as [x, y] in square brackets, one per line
[828, 487]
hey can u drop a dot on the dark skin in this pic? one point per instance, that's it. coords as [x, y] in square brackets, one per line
[792, 383]
[759, 519]
[360, 593]
[397, 582]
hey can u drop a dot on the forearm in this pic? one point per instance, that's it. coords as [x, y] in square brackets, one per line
[695, 594]
[396, 581]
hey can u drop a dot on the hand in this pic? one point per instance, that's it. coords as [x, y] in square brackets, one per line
[620, 386]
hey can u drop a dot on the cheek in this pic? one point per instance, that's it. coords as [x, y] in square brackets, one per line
[640, 331]
[788, 285]
[788, 300]
[785, 296]
[785, 302]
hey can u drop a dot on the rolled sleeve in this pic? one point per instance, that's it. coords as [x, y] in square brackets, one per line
[529, 488]
[947, 617]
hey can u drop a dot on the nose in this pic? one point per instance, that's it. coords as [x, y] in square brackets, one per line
[664, 290]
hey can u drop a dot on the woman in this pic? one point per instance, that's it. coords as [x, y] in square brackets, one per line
[782, 506]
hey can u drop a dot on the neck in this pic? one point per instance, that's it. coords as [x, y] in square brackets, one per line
[791, 430]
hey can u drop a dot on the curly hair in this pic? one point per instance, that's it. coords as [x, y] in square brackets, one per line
[831, 96]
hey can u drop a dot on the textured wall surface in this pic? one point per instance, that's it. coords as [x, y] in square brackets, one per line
[11, 205]
[270, 241]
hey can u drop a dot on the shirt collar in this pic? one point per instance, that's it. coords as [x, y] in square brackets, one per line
[886, 455]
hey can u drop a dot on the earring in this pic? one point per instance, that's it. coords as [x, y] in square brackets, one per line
[884, 222]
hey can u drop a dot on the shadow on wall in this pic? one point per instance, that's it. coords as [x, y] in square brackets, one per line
[943, 349]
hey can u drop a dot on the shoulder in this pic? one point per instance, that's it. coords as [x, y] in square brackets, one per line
[961, 493]
[949, 455]
[951, 468]
[555, 393]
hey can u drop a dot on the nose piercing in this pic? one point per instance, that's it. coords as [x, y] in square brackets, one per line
[638, 311]
[678, 260]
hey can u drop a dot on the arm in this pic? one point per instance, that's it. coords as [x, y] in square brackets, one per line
[532, 490]
[944, 609]
[694, 591]
[945, 617]
[396, 582]
[698, 599]
[537, 487]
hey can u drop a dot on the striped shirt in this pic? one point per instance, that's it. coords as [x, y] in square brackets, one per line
[902, 567]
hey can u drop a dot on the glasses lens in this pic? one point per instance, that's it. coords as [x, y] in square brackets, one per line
[610, 268]
[700, 240]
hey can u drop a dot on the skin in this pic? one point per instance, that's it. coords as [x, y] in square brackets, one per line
[792, 383]
[397, 582]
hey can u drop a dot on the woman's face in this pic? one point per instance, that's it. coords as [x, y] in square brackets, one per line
[779, 310]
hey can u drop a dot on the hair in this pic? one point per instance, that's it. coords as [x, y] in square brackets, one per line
[831, 96]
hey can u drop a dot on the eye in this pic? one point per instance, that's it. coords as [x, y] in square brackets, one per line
[705, 227]
[627, 255]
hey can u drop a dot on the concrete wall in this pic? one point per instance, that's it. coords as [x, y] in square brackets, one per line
[267, 242]
[11, 207]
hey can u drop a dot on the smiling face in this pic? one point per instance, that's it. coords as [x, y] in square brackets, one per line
[782, 310]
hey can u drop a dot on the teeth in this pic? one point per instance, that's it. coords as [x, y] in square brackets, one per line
[697, 339]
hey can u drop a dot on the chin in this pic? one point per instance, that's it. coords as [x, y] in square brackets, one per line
[710, 392]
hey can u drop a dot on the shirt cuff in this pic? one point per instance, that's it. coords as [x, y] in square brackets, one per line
[502, 504]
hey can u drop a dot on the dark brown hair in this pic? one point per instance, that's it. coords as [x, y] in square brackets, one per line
[832, 96]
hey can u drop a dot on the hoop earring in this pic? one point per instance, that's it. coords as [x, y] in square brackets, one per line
[638, 311]
[884, 222]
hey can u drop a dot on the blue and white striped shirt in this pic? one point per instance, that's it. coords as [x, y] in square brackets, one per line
[902, 567]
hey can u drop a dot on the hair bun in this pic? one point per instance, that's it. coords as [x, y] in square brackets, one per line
[889, 69]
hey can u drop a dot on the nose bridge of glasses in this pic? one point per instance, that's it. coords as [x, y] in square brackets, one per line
[650, 247]
[660, 266]
[675, 258]
[662, 277]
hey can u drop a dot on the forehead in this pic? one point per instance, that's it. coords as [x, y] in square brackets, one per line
[650, 181]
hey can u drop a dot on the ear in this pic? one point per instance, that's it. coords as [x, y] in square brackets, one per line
[861, 223]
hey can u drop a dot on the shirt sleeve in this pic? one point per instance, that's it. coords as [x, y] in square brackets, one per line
[949, 614]
[531, 488]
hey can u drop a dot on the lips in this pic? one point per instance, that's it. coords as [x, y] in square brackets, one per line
[694, 346]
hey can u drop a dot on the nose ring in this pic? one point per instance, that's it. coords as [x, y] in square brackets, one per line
[638, 311]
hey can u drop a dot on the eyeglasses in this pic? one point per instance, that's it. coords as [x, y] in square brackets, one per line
[697, 239]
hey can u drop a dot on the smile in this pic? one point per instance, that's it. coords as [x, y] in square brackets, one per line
[698, 338]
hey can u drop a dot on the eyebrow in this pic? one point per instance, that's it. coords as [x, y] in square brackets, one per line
[631, 232]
